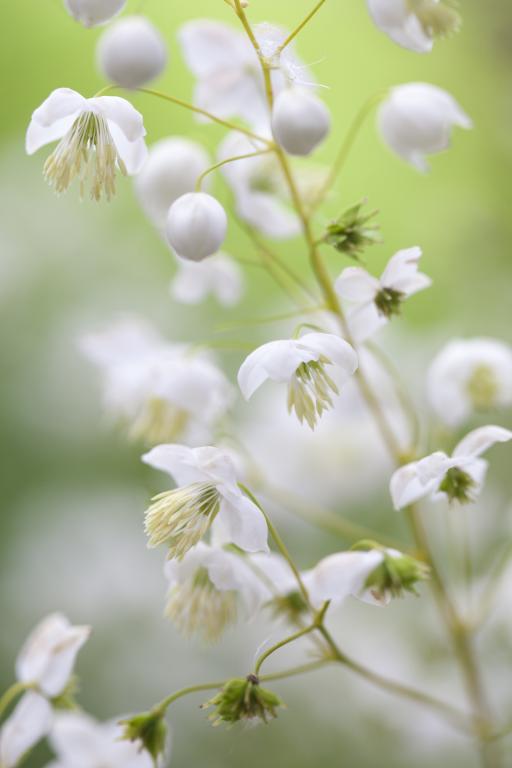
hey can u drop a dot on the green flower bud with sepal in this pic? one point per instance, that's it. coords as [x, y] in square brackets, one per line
[396, 574]
[243, 699]
[150, 730]
[353, 232]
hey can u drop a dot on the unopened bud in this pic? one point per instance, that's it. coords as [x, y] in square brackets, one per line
[149, 729]
[131, 52]
[243, 699]
[90, 13]
[353, 232]
[196, 226]
[300, 121]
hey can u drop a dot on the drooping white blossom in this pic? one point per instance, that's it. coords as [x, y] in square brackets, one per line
[161, 391]
[196, 226]
[304, 364]
[170, 171]
[470, 375]
[91, 13]
[208, 590]
[416, 120]
[48, 655]
[97, 137]
[219, 276]
[79, 741]
[131, 52]
[29, 722]
[375, 300]
[459, 477]
[414, 24]
[300, 121]
[207, 491]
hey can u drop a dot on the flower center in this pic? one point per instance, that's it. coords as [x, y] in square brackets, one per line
[87, 152]
[482, 387]
[198, 607]
[310, 390]
[388, 301]
[436, 18]
[159, 422]
[458, 486]
[181, 517]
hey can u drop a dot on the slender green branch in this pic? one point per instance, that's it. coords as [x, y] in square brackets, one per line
[269, 319]
[228, 160]
[281, 644]
[300, 27]
[10, 695]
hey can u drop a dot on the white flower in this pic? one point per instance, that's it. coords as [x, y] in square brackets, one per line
[230, 82]
[302, 364]
[470, 375]
[79, 741]
[196, 226]
[377, 300]
[90, 13]
[258, 185]
[97, 137]
[48, 655]
[414, 24]
[170, 171]
[208, 588]
[300, 121]
[30, 721]
[459, 477]
[131, 52]
[219, 275]
[161, 391]
[207, 491]
[416, 120]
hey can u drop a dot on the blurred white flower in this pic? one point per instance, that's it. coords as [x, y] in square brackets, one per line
[196, 226]
[170, 171]
[79, 741]
[459, 477]
[48, 655]
[259, 188]
[300, 121]
[302, 364]
[131, 52]
[98, 136]
[219, 276]
[207, 491]
[208, 588]
[470, 375]
[90, 13]
[230, 82]
[414, 24]
[416, 120]
[377, 300]
[30, 721]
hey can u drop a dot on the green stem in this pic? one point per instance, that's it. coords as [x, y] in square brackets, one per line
[281, 644]
[10, 695]
[300, 27]
[228, 160]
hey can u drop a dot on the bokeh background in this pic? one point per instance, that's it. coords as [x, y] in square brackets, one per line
[73, 489]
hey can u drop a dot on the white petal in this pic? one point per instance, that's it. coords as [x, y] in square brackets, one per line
[357, 285]
[30, 721]
[133, 153]
[365, 320]
[122, 113]
[342, 574]
[267, 213]
[277, 360]
[408, 484]
[480, 440]
[177, 461]
[210, 47]
[219, 275]
[401, 272]
[334, 348]
[245, 523]
[402, 26]
[53, 119]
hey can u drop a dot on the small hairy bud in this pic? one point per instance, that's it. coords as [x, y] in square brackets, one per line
[131, 52]
[150, 730]
[300, 121]
[243, 699]
[353, 232]
[196, 226]
[91, 13]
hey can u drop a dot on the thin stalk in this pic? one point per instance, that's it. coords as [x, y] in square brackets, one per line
[300, 27]
[10, 695]
[281, 644]
[268, 320]
[228, 160]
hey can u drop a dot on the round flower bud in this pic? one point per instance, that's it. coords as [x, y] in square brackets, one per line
[90, 13]
[131, 52]
[300, 121]
[171, 170]
[196, 226]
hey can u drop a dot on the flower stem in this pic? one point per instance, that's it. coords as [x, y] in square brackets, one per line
[228, 160]
[300, 27]
[281, 644]
[10, 695]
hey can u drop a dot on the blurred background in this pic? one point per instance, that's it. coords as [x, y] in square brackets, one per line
[73, 488]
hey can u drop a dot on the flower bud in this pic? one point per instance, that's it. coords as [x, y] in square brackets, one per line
[150, 730]
[353, 232]
[131, 52]
[300, 121]
[196, 226]
[397, 573]
[90, 13]
[243, 699]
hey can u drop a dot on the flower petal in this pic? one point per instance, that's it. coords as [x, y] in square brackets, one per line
[357, 285]
[342, 574]
[30, 721]
[53, 119]
[244, 523]
[122, 113]
[480, 440]
[277, 360]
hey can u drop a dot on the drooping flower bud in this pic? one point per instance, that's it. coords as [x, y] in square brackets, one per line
[91, 13]
[353, 231]
[397, 573]
[243, 699]
[149, 731]
[300, 121]
[196, 226]
[131, 52]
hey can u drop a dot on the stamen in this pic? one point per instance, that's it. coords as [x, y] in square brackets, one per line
[309, 391]
[436, 18]
[458, 486]
[388, 301]
[482, 388]
[159, 422]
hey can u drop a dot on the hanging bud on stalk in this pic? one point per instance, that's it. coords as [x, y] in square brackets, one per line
[196, 226]
[300, 121]
[131, 52]
[91, 13]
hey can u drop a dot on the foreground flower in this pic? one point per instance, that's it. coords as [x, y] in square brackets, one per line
[470, 375]
[459, 477]
[302, 364]
[207, 491]
[207, 590]
[196, 226]
[416, 120]
[90, 13]
[414, 24]
[48, 655]
[219, 276]
[79, 741]
[300, 121]
[30, 721]
[170, 171]
[98, 136]
[131, 52]
[374, 300]
[243, 699]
